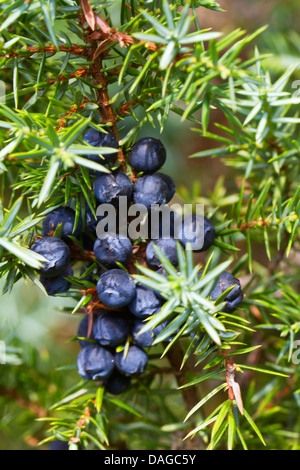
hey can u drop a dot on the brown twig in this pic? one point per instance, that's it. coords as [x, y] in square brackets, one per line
[62, 78]
[99, 78]
[234, 392]
[81, 255]
[260, 223]
[88, 13]
[74, 49]
[74, 109]
[96, 53]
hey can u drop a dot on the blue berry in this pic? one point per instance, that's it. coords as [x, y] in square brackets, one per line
[133, 363]
[110, 329]
[116, 288]
[101, 139]
[110, 248]
[82, 332]
[95, 362]
[161, 222]
[147, 155]
[58, 284]
[109, 187]
[59, 445]
[150, 189]
[168, 248]
[117, 383]
[92, 136]
[170, 183]
[235, 296]
[88, 240]
[56, 252]
[64, 216]
[90, 220]
[193, 226]
[144, 303]
[145, 340]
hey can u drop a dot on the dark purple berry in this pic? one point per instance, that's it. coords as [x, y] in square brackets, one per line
[117, 383]
[101, 139]
[161, 222]
[132, 363]
[167, 246]
[116, 288]
[110, 329]
[170, 183]
[92, 136]
[235, 296]
[95, 362]
[90, 220]
[144, 303]
[88, 240]
[112, 248]
[56, 252]
[64, 216]
[82, 332]
[197, 230]
[147, 155]
[58, 284]
[109, 187]
[59, 445]
[150, 189]
[145, 340]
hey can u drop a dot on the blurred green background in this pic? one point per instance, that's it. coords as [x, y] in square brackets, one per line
[36, 331]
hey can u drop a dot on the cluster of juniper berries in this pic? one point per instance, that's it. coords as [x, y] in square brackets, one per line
[124, 304]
